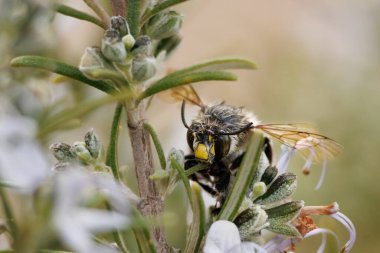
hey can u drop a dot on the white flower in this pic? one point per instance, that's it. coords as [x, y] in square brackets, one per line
[75, 223]
[278, 244]
[223, 237]
[23, 164]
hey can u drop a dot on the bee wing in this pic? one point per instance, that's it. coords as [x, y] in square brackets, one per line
[180, 93]
[304, 140]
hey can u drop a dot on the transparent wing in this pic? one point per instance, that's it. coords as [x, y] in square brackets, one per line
[180, 93]
[304, 140]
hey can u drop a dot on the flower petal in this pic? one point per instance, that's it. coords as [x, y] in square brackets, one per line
[324, 233]
[222, 236]
[23, 164]
[351, 229]
[286, 154]
[278, 244]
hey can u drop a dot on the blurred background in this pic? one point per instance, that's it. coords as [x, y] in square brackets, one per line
[318, 62]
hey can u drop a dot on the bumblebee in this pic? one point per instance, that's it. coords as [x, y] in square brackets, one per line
[218, 136]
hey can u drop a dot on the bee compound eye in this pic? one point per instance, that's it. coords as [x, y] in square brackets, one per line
[190, 139]
[222, 146]
[226, 144]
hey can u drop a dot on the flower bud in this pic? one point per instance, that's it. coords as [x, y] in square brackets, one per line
[168, 44]
[281, 188]
[251, 221]
[120, 24]
[143, 68]
[61, 152]
[164, 24]
[269, 175]
[169, 176]
[79, 150]
[258, 189]
[93, 144]
[128, 41]
[112, 46]
[142, 46]
[94, 66]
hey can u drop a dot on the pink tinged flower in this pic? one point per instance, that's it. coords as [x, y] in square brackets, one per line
[23, 164]
[75, 223]
[324, 232]
[223, 237]
[286, 154]
[343, 219]
[279, 244]
[311, 144]
[331, 210]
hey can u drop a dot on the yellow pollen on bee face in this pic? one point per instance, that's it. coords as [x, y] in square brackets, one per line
[201, 152]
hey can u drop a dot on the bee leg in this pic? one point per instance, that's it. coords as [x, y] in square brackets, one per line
[198, 177]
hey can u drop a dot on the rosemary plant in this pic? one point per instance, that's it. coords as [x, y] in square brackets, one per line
[83, 203]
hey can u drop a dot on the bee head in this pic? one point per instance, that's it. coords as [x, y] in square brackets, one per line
[207, 146]
[209, 143]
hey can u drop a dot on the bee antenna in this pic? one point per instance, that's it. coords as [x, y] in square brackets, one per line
[248, 126]
[183, 114]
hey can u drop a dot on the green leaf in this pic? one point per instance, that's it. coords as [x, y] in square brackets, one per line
[195, 168]
[111, 158]
[171, 82]
[216, 64]
[60, 68]
[119, 242]
[197, 228]
[283, 187]
[159, 7]
[133, 17]
[284, 213]
[58, 120]
[8, 213]
[284, 229]
[182, 175]
[141, 231]
[71, 12]
[157, 145]
[243, 178]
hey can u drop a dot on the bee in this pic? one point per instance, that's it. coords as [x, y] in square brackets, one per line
[218, 136]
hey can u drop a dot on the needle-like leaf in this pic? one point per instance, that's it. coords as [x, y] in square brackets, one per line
[197, 228]
[243, 178]
[171, 82]
[111, 158]
[60, 68]
[71, 12]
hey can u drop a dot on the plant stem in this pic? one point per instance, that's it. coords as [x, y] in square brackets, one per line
[99, 10]
[119, 7]
[151, 203]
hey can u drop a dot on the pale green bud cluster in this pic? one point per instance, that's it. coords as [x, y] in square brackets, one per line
[85, 153]
[122, 57]
[267, 205]
[164, 25]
